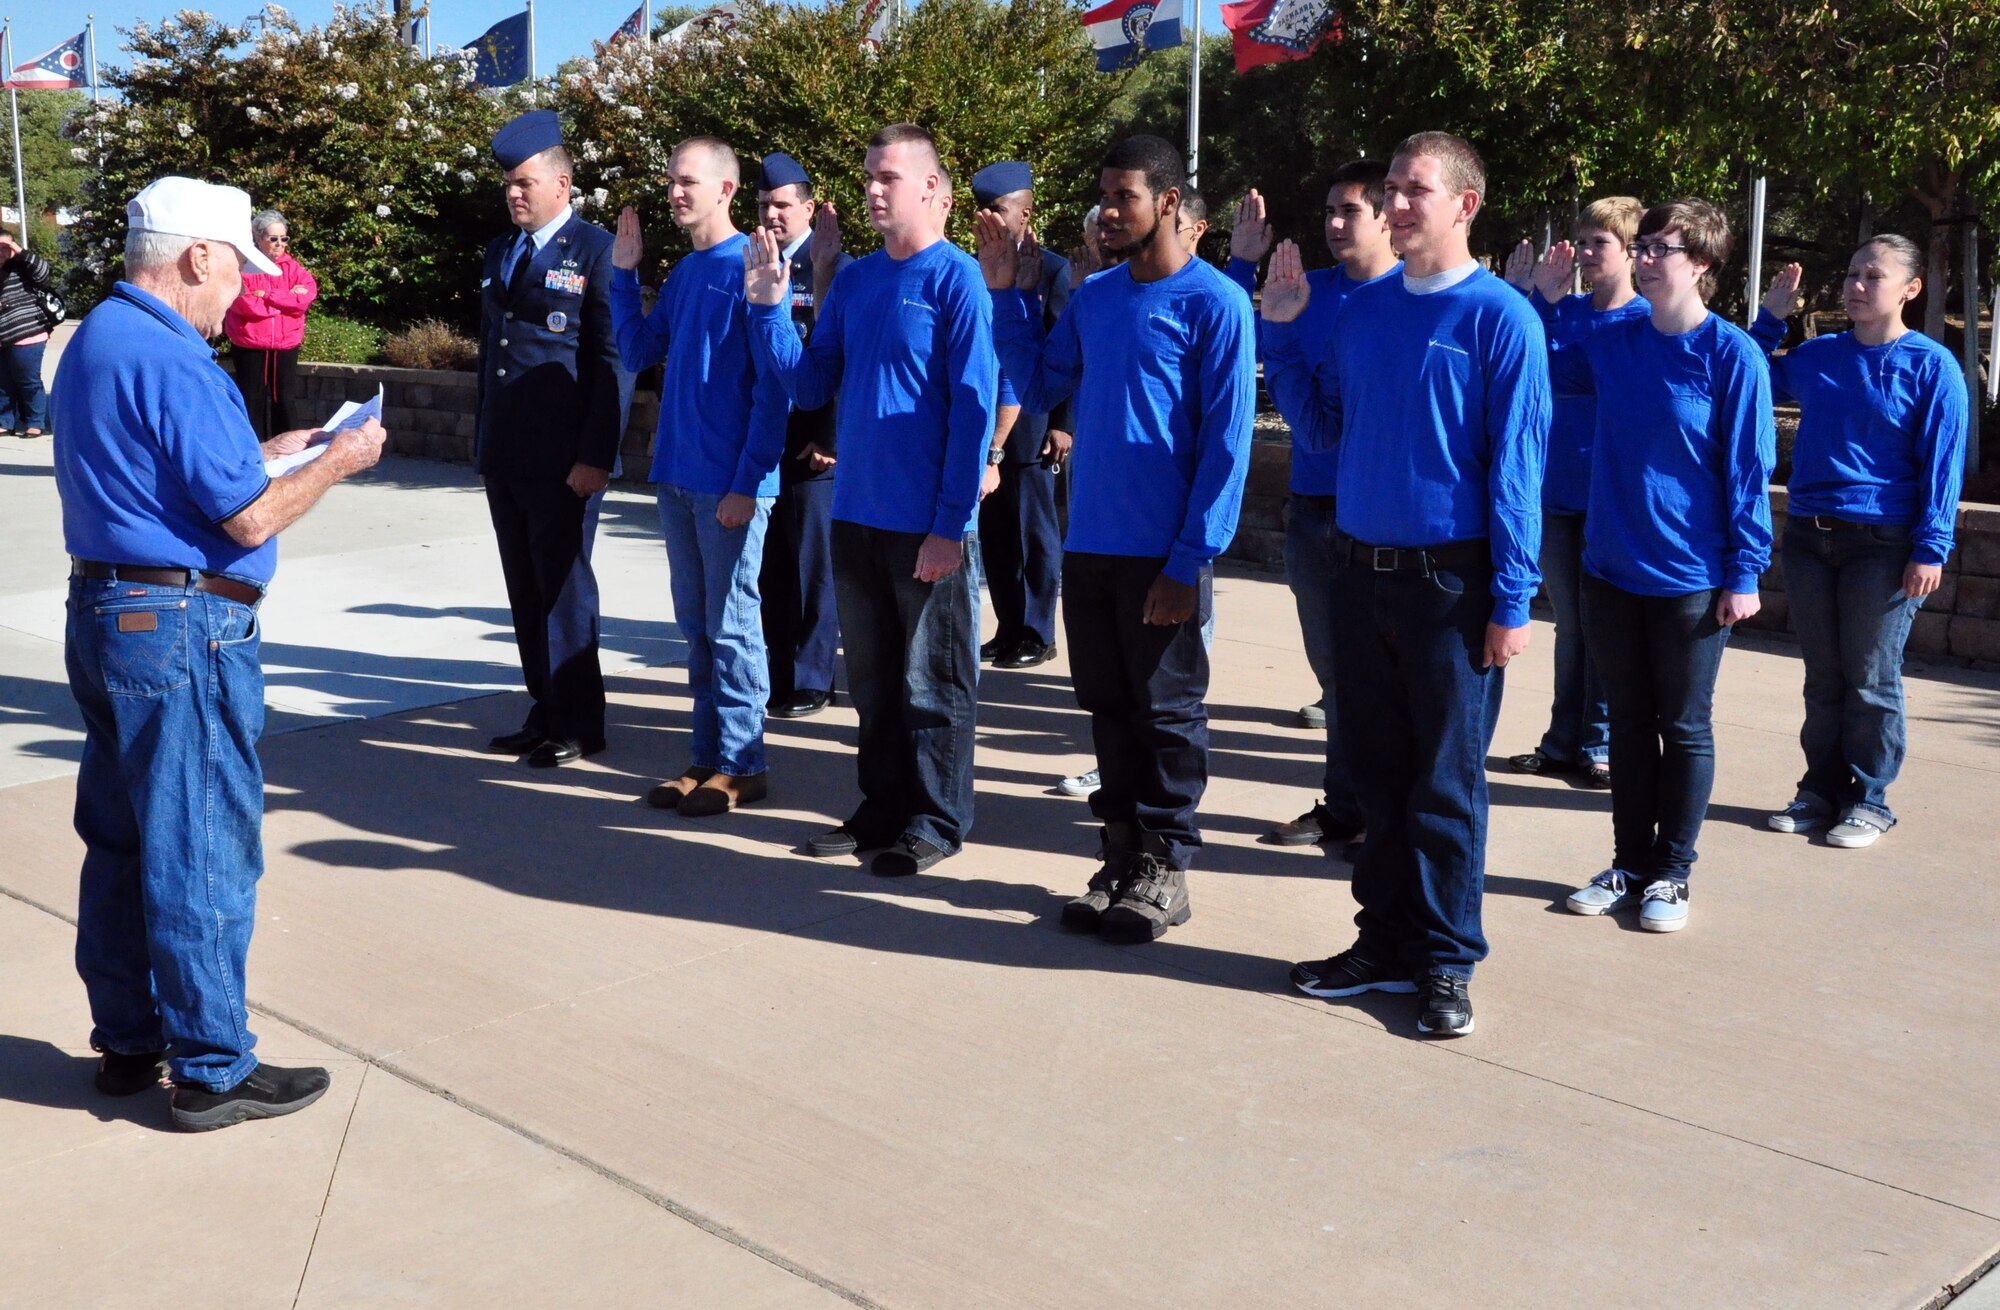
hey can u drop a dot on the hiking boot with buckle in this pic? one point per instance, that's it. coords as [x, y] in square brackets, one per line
[1153, 899]
[1118, 848]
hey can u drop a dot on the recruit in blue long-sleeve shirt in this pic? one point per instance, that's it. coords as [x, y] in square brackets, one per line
[1439, 406]
[909, 345]
[1573, 427]
[722, 425]
[1680, 475]
[1881, 431]
[1164, 379]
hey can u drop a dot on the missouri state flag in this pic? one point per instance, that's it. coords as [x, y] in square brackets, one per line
[61, 69]
[1123, 30]
[1269, 31]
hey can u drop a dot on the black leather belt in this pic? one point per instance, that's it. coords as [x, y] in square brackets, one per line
[1827, 523]
[1317, 502]
[1451, 557]
[228, 588]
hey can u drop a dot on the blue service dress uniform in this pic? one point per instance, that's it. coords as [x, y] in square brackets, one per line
[1020, 540]
[550, 397]
[801, 627]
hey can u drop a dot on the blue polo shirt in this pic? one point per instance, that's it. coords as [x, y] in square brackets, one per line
[155, 448]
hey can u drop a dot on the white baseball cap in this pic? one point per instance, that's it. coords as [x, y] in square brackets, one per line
[183, 207]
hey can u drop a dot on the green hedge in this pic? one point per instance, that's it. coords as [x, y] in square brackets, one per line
[331, 339]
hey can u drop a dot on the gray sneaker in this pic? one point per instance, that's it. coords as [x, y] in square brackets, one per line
[1081, 785]
[1664, 906]
[1608, 891]
[1313, 716]
[1857, 828]
[1801, 815]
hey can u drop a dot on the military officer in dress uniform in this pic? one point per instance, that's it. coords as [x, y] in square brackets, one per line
[551, 409]
[801, 629]
[1020, 541]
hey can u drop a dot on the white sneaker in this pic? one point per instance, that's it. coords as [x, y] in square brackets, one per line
[1081, 785]
[1608, 891]
[1664, 906]
[1856, 829]
[1801, 815]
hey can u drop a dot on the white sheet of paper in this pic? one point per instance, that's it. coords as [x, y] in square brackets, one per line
[350, 415]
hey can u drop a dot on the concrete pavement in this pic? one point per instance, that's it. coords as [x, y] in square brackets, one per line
[588, 1053]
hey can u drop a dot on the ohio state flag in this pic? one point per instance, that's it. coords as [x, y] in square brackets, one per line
[61, 69]
[1271, 31]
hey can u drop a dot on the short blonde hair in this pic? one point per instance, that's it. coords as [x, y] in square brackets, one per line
[1617, 215]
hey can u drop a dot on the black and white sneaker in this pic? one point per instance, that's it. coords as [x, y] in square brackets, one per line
[1445, 1008]
[1348, 974]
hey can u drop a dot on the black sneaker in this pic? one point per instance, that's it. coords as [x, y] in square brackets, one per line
[267, 1093]
[910, 854]
[1348, 974]
[1153, 899]
[128, 1075]
[1445, 1008]
[1313, 827]
[843, 840]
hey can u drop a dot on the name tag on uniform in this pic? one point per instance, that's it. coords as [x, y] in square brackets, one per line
[564, 280]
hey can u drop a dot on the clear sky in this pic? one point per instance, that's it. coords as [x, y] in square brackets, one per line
[563, 28]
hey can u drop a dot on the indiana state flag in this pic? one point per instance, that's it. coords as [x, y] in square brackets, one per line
[61, 69]
[1123, 30]
[502, 53]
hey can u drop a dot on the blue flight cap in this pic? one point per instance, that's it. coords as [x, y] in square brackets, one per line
[996, 180]
[527, 136]
[781, 170]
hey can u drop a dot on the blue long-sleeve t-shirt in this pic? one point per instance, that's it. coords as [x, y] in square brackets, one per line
[1881, 431]
[908, 343]
[1680, 496]
[1437, 408]
[722, 423]
[1314, 473]
[1573, 422]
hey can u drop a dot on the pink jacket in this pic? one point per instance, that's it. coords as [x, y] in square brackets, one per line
[271, 312]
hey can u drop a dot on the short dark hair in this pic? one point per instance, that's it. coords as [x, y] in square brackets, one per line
[1703, 227]
[1904, 249]
[1194, 206]
[1153, 156]
[1464, 170]
[1370, 175]
[805, 189]
[558, 159]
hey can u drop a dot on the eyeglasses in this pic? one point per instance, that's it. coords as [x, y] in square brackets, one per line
[1657, 250]
[278, 241]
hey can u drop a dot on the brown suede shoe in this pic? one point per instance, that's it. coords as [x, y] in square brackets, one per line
[723, 792]
[669, 795]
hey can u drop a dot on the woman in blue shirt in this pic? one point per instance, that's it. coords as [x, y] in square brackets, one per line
[1876, 471]
[1677, 531]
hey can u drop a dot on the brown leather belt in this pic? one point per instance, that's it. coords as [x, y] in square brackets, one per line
[227, 588]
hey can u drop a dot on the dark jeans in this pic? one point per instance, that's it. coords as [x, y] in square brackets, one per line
[1416, 707]
[1852, 619]
[801, 624]
[26, 404]
[1579, 720]
[913, 671]
[1022, 553]
[170, 806]
[265, 377]
[545, 532]
[1658, 656]
[1310, 567]
[1144, 686]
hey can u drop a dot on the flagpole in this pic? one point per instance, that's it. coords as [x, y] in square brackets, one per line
[90, 39]
[533, 98]
[646, 22]
[14, 122]
[1194, 99]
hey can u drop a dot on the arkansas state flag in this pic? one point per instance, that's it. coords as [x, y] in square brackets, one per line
[61, 69]
[1125, 29]
[1270, 31]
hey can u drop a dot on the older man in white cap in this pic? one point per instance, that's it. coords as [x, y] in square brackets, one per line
[171, 523]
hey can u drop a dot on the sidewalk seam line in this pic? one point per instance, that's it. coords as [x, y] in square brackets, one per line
[326, 1198]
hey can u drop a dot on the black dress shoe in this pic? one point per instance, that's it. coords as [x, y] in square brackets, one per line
[128, 1075]
[267, 1093]
[800, 705]
[516, 743]
[989, 649]
[1025, 655]
[554, 751]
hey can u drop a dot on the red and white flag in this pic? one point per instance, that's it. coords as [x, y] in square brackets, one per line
[61, 69]
[1271, 31]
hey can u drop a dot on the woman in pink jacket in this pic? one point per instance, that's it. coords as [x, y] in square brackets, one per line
[266, 325]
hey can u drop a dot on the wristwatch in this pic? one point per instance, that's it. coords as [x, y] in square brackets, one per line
[995, 454]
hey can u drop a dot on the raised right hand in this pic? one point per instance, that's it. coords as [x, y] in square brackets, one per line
[767, 274]
[826, 235]
[1285, 288]
[999, 259]
[1554, 275]
[1520, 270]
[357, 448]
[625, 251]
[1782, 300]
[1250, 235]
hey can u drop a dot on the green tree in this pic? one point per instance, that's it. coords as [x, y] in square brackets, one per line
[53, 175]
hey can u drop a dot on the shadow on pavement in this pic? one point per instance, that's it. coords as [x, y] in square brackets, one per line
[33, 1072]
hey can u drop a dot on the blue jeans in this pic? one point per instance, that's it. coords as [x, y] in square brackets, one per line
[712, 571]
[1658, 656]
[1416, 701]
[1579, 720]
[1310, 566]
[170, 807]
[21, 379]
[1852, 618]
[913, 671]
